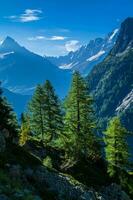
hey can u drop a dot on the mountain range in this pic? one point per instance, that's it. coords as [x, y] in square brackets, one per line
[21, 70]
[87, 56]
[111, 81]
[18, 102]
[109, 74]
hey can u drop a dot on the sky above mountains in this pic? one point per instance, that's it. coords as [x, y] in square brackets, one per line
[56, 27]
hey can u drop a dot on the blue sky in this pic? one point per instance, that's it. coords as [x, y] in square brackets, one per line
[55, 27]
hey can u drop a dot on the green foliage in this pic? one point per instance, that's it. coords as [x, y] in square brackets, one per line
[48, 162]
[110, 82]
[8, 118]
[14, 189]
[45, 113]
[116, 149]
[25, 129]
[36, 112]
[79, 138]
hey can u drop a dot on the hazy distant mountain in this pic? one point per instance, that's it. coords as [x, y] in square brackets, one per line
[18, 102]
[111, 81]
[87, 56]
[21, 69]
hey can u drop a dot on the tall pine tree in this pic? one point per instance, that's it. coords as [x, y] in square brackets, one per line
[79, 121]
[45, 113]
[116, 149]
[36, 112]
[52, 113]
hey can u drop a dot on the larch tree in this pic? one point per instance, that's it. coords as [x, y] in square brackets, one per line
[25, 129]
[116, 147]
[79, 121]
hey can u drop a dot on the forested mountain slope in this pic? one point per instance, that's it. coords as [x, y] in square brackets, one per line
[111, 81]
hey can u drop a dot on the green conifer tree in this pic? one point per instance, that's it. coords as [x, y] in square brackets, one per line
[8, 120]
[45, 113]
[116, 149]
[36, 112]
[52, 113]
[79, 121]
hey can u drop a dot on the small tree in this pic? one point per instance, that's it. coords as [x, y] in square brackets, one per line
[25, 129]
[116, 149]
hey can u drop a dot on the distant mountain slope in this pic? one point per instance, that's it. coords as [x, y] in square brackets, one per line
[111, 81]
[21, 69]
[87, 56]
[18, 102]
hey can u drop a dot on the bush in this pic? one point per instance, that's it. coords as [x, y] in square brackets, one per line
[48, 162]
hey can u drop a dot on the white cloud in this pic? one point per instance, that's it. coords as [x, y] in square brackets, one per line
[21, 89]
[36, 38]
[57, 38]
[29, 15]
[53, 38]
[72, 45]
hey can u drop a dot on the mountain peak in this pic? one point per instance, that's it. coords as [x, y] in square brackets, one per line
[9, 44]
[125, 37]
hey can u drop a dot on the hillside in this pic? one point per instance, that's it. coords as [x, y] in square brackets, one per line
[111, 81]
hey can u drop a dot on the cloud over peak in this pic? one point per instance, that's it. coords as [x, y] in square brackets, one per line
[72, 45]
[52, 38]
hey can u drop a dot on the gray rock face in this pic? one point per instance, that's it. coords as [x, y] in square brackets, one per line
[62, 186]
[66, 187]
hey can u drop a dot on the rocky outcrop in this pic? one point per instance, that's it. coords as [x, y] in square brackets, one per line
[64, 187]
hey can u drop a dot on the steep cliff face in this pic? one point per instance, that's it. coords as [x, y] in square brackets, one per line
[125, 38]
[111, 81]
